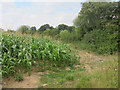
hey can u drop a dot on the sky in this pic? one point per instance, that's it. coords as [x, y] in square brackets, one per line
[15, 13]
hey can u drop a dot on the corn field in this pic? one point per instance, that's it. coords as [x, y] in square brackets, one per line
[25, 52]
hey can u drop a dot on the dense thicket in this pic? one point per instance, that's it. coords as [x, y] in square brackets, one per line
[98, 22]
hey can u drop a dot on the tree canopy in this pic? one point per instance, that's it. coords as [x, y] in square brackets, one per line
[45, 27]
[95, 15]
[33, 28]
[23, 29]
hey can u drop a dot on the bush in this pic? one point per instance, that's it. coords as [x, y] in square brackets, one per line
[64, 35]
[101, 41]
[18, 77]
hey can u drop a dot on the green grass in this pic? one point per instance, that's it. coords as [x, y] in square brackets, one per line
[70, 78]
[102, 75]
[18, 77]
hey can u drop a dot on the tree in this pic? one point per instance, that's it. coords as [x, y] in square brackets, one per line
[47, 32]
[23, 29]
[44, 27]
[33, 28]
[62, 27]
[97, 25]
[71, 28]
[54, 32]
[94, 15]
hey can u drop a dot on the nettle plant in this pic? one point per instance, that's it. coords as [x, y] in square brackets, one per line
[20, 52]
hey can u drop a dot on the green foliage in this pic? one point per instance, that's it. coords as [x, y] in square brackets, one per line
[70, 78]
[98, 28]
[47, 32]
[18, 77]
[23, 29]
[61, 27]
[101, 42]
[71, 28]
[93, 15]
[71, 36]
[54, 32]
[50, 32]
[44, 27]
[33, 28]
[57, 36]
[24, 52]
[76, 35]
[64, 35]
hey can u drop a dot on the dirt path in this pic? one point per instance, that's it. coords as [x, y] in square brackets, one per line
[32, 81]
[28, 82]
[90, 58]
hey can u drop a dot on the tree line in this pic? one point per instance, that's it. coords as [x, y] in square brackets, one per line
[45, 28]
[96, 26]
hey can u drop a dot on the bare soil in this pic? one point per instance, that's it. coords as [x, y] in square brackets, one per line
[28, 82]
[88, 58]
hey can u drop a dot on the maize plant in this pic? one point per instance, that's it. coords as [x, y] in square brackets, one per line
[24, 52]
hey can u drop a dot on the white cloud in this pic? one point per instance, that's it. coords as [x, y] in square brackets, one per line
[37, 14]
[42, 0]
[1, 1]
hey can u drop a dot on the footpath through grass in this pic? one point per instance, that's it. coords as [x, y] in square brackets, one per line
[102, 74]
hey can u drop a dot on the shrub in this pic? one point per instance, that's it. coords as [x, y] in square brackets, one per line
[64, 34]
[18, 77]
[101, 41]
